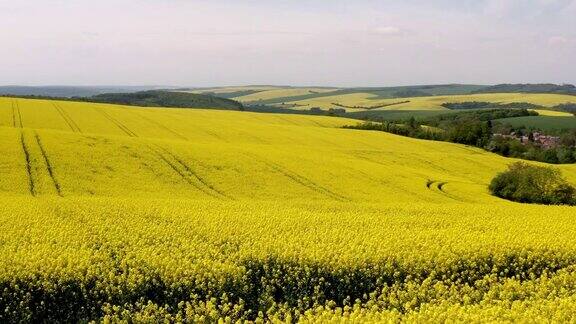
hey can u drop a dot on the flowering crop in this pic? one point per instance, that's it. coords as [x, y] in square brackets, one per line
[112, 213]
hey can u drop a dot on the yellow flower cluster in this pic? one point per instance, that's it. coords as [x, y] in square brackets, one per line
[112, 214]
[109, 258]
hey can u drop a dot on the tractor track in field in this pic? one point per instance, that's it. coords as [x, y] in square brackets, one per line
[16, 110]
[19, 115]
[71, 123]
[317, 123]
[31, 184]
[13, 113]
[125, 129]
[438, 186]
[288, 121]
[180, 136]
[203, 130]
[48, 165]
[186, 172]
[301, 180]
[220, 138]
[212, 134]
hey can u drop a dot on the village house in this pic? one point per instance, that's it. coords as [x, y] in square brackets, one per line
[545, 141]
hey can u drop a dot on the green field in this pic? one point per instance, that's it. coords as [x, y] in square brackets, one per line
[115, 213]
[547, 123]
[399, 115]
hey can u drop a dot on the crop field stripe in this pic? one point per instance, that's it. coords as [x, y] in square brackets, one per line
[438, 186]
[73, 126]
[300, 179]
[317, 123]
[63, 117]
[212, 134]
[48, 165]
[163, 127]
[441, 185]
[189, 170]
[120, 125]
[13, 113]
[19, 115]
[181, 174]
[215, 135]
[31, 185]
[449, 195]
[16, 111]
[188, 173]
[288, 121]
[125, 129]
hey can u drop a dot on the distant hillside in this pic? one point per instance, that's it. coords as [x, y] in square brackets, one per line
[70, 91]
[410, 93]
[156, 98]
[530, 88]
[276, 96]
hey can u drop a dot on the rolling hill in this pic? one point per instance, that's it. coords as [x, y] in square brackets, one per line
[568, 89]
[71, 91]
[131, 128]
[287, 96]
[402, 103]
[162, 98]
[117, 213]
[361, 101]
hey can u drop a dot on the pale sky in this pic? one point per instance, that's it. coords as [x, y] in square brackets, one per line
[286, 42]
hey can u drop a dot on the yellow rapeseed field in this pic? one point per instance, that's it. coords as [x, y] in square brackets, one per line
[428, 103]
[281, 93]
[553, 113]
[111, 213]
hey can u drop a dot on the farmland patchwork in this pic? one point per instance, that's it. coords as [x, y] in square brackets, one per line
[149, 214]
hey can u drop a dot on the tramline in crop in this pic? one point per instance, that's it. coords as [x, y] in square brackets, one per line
[112, 213]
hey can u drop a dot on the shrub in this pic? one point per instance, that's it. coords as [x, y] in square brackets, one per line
[533, 184]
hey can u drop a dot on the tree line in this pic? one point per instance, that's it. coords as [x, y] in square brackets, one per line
[476, 128]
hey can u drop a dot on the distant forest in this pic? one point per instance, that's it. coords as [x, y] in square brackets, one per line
[475, 127]
[154, 98]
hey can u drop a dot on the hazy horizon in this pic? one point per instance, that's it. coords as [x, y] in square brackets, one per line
[340, 43]
[233, 85]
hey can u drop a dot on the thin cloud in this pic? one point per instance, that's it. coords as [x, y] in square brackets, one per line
[363, 42]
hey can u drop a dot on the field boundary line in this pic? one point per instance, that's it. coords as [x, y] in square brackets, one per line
[300, 179]
[125, 129]
[48, 164]
[71, 123]
[188, 174]
[31, 184]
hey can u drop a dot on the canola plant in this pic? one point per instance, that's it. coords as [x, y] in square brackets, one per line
[128, 214]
